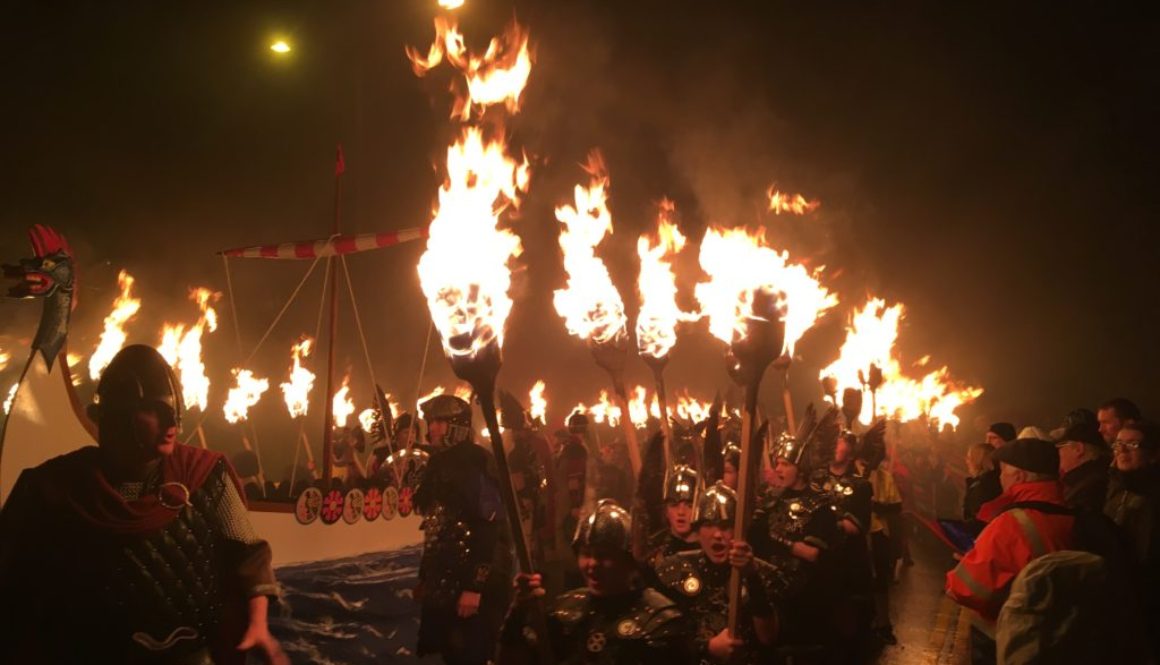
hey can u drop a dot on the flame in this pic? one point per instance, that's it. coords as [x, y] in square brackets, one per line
[591, 306]
[74, 361]
[602, 411]
[419, 403]
[450, 4]
[739, 265]
[538, 406]
[871, 339]
[342, 406]
[367, 419]
[656, 324]
[11, 398]
[795, 203]
[692, 409]
[499, 76]
[181, 348]
[5, 357]
[296, 391]
[638, 406]
[246, 392]
[125, 307]
[463, 392]
[464, 272]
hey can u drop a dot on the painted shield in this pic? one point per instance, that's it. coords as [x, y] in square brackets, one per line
[332, 507]
[405, 501]
[309, 505]
[390, 503]
[352, 506]
[372, 504]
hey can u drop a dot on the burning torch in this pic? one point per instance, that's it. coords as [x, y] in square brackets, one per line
[757, 341]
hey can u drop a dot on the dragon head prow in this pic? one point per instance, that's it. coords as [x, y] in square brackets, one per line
[48, 271]
[50, 275]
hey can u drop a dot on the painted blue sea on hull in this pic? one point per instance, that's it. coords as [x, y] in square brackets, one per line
[351, 611]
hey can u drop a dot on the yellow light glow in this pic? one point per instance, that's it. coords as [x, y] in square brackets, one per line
[280, 46]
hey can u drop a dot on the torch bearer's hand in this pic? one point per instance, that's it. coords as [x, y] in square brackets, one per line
[528, 587]
[741, 556]
[722, 645]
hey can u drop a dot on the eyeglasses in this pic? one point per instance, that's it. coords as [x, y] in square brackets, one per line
[1127, 445]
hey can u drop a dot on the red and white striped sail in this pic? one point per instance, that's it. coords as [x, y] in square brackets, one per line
[335, 246]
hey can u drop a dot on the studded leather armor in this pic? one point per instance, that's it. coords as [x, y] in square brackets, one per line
[795, 516]
[155, 597]
[639, 627]
[701, 589]
[850, 495]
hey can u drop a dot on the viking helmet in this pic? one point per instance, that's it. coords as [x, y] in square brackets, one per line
[609, 525]
[138, 377]
[717, 504]
[788, 447]
[452, 410]
[683, 484]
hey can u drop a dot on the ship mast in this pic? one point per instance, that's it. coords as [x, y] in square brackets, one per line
[332, 280]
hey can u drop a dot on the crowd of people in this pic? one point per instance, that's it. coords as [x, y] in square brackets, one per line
[1060, 563]
[111, 546]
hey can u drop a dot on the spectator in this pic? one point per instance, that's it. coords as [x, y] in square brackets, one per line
[982, 484]
[1134, 505]
[1028, 473]
[1083, 467]
[999, 434]
[1112, 416]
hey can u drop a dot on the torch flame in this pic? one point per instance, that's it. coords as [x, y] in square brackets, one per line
[499, 76]
[125, 307]
[5, 357]
[739, 265]
[181, 348]
[296, 391]
[638, 406]
[464, 272]
[245, 394]
[605, 410]
[790, 203]
[10, 398]
[450, 4]
[656, 324]
[591, 306]
[692, 409]
[463, 392]
[538, 405]
[419, 403]
[342, 406]
[871, 339]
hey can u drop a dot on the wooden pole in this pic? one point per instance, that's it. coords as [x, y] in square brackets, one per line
[331, 267]
[626, 423]
[745, 483]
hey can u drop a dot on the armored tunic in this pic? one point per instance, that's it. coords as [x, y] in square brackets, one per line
[851, 498]
[701, 589]
[175, 594]
[799, 516]
[639, 627]
[664, 544]
[466, 547]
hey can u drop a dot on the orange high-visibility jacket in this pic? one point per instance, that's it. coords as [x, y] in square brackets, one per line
[1009, 542]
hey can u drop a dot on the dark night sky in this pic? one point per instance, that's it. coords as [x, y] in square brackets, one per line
[991, 166]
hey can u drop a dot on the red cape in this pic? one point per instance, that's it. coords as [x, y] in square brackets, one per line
[77, 482]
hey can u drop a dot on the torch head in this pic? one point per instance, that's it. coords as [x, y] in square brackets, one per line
[876, 378]
[479, 369]
[851, 405]
[612, 355]
[750, 354]
[830, 387]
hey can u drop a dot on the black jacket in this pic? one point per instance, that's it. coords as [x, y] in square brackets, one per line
[1086, 486]
[980, 489]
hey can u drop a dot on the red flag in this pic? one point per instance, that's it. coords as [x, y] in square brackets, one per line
[339, 162]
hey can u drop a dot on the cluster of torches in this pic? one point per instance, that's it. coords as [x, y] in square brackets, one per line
[465, 276]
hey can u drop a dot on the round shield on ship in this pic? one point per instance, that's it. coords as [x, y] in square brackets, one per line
[308, 506]
[372, 504]
[352, 506]
[332, 507]
[405, 501]
[390, 503]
